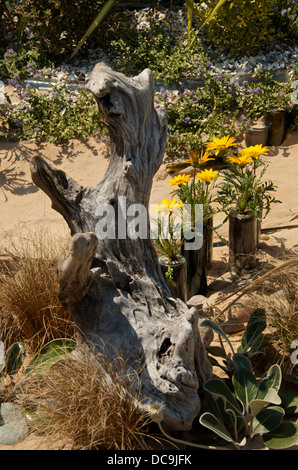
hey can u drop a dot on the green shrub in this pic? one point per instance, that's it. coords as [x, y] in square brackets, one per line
[285, 20]
[241, 27]
[56, 26]
[168, 60]
[256, 99]
[56, 116]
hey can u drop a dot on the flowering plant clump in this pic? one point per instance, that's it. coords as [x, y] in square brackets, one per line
[257, 99]
[195, 189]
[168, 240]
[54, 116]
[242, 188]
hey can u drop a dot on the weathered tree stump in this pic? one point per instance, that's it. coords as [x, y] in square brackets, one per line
[114, 287]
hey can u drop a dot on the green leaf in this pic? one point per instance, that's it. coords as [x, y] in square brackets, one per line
[98, 20]
[217, 329]
[256, 325]
[245, 385]
[211, 422]
[219, 389]
[54, 351]
[15, 356]
[217, 351]
[271, 380]
[252, 338]
[268, 419]
[257, 405]
[285, 436]
[289, 400]
[242, 362]
[213, 12]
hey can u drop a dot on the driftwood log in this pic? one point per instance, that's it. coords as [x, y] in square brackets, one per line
[114, 287]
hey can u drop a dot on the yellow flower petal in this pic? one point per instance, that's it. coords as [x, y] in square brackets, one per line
[199, 157]
[168, 206]
[241, 160]
[179, 180]
[222, 143]
[255, 151]
[207, 175]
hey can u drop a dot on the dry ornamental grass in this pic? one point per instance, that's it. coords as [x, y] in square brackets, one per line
[30, 310]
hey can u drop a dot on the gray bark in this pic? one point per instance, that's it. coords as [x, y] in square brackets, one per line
[114, 288]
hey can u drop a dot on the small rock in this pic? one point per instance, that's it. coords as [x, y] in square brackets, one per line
[61, 76]
[13, 427]
[72, 77]
[232, 326]
[206, 334]
[264, 237]
[240, 312]
[196, 301]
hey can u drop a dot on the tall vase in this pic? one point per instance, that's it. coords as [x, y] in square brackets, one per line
[209, 229]
[177, 284]
[242, 242]
[276, 122]
[198, 261]
[259, 226]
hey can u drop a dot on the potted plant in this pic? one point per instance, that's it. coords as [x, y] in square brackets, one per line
[168, 244]
[195, 192]
[268, 99]
[243, 195]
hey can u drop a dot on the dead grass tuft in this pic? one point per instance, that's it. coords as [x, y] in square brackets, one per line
[279, 297]
[83, 403]
[30, 310]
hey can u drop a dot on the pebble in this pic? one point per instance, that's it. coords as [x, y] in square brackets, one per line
[174, 22]
[197, 301]
[13, 427]
[240, 312]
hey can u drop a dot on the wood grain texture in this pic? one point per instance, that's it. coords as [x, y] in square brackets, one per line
[114, 288]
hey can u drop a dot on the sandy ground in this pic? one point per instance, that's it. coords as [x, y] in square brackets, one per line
[25, 208]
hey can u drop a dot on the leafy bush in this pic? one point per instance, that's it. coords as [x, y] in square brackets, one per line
[266, 94]
[17, 62]
[285, 20]
[241, 26]
[168, 60]
[252, 341]
[56, 116]
[210, 110]
[242, 408]
[55, 26]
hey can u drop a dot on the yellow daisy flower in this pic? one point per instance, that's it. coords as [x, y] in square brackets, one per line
[222, 143]
[255, 151]
[199, 157]
[241, 160]
[169, 206]
[179, 180]
[207, 176]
